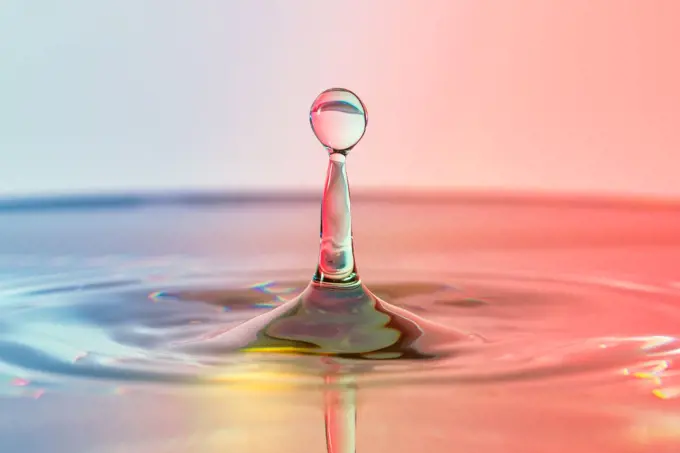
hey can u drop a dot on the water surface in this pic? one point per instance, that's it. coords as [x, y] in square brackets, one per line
[577, 305]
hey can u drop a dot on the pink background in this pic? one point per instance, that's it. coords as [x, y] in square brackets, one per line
[574, 96]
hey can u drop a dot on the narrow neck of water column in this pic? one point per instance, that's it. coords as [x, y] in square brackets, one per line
[336, 251]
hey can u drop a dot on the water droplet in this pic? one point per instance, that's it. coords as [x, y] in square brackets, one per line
[338, 119]
[336, 315]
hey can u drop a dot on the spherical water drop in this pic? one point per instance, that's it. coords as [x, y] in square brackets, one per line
[338, 119]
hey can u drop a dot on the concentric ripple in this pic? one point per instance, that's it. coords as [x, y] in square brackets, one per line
[113, 322]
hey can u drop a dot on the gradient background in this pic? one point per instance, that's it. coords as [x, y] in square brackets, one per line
[577, 96]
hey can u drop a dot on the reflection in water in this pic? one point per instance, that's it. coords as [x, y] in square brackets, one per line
[340, 414]
[659, 372]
